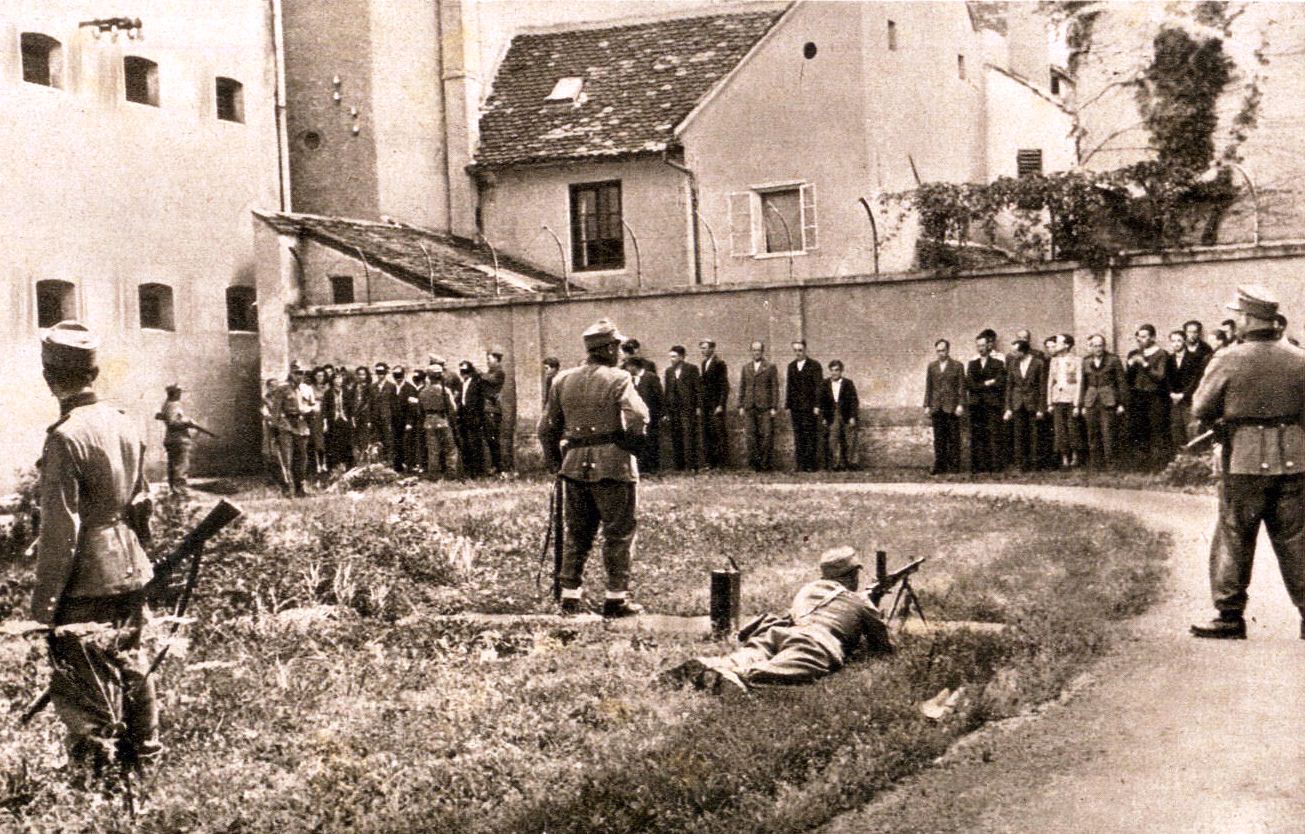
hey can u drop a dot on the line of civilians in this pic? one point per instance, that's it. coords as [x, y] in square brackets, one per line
[432, 421]
[1034, 408]
[1048, 408]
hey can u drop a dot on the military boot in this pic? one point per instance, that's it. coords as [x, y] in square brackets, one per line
[616, 608]
[1229, 625]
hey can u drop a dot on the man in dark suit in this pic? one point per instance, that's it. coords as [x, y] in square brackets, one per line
[944, 402]
[1186, 367]
[1147, 369]
[758, 401]
[715, 397]
[683, 403]
[1026, 403]
[839, 407]
[985, 381]
[1103, 398]
[802, 399]
[398, 394]
[649, 389]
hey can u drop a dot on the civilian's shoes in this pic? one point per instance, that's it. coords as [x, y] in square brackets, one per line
[688, 672]
[1221, 628]
[615, 608]
[724, 684]
[570, 607]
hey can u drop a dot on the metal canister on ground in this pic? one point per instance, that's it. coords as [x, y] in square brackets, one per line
[726, 596]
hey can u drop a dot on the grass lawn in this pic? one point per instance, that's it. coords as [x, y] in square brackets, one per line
[322, 691]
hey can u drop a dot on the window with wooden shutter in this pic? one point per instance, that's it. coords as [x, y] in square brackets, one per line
[810, 240]
[740, 208]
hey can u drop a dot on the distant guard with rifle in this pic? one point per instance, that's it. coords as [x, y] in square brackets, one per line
[595, 422]
[177, 439]
[1254, 394]
[91, 567]
[823, 627]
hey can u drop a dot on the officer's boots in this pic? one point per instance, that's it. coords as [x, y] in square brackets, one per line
[1229, 625]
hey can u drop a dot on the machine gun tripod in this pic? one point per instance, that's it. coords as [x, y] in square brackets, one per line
[905, 598]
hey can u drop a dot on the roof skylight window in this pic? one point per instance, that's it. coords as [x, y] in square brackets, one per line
[566, 89]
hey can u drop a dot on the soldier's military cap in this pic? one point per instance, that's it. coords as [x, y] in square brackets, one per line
[69, 345]
[436, 360]
[174, 388]
[1255, 300]
[296, 368]
[839, 561]
[600, 333]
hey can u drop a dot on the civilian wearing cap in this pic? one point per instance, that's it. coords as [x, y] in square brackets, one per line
[90, 564]
[177, 439]
[823, 627]
[593, 422]
[715, 397]
[493, 380]
[1255, 391]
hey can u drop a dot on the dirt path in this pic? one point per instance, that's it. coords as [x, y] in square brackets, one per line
[1173, 734]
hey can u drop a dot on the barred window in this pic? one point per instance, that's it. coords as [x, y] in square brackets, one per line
[597, 233]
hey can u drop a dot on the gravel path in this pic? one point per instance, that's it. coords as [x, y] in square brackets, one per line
[1169, 734]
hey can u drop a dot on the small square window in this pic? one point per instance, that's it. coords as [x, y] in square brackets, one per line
[241, 310]
[156, 307]
[56, 301]
[42, 59]
[341, 289]
[1028, 163]
[230, 100]
[142, 80]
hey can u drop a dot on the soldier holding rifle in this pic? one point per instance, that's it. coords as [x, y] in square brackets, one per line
[822, 629]
[91, 567]
[177, 439]
[596, 422]
[1254, 392]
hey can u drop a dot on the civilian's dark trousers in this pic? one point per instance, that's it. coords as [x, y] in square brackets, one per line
[494, 440]
[759, 425]
[841, 450]
[1024, 439]
[588, 504]
[1100, 421]
[985, 438]
[806, 440]
[684, 440]
[715, 439]
[1149, 420]
[1244, 502]
[946, 442]
[650, 455]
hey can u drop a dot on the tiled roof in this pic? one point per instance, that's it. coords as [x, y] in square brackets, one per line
[639, 82]
[456, 268]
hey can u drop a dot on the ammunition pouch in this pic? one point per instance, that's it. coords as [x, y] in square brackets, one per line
[1266, 448]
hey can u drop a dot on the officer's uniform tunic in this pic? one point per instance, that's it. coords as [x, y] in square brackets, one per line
[1257, 389]
[588, 408]
[828, 622]
[177, 443]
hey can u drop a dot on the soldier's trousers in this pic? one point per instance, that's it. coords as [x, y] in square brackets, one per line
[1245, 501]
[439, 450]
[100, 681]
[294, 458]
[178, 465]
[778, 656]
[587, 505]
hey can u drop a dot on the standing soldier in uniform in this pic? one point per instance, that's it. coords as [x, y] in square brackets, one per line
[493, 381]
[1254, 392]
[293, 407]
[90, 566]
[177, 441]
[438, 414]
[596, 421]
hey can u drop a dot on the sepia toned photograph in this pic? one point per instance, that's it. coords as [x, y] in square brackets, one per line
[641, 416]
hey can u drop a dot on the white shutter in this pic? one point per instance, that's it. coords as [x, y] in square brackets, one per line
[809, 237]
[740, 208]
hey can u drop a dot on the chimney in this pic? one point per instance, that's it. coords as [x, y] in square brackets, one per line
[459, 46]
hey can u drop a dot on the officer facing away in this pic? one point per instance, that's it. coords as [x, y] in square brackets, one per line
[595, 420]
[90, 566]
[177, 439]
[1255, 391]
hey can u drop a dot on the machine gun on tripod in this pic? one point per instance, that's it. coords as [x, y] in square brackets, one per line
[884, 583]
